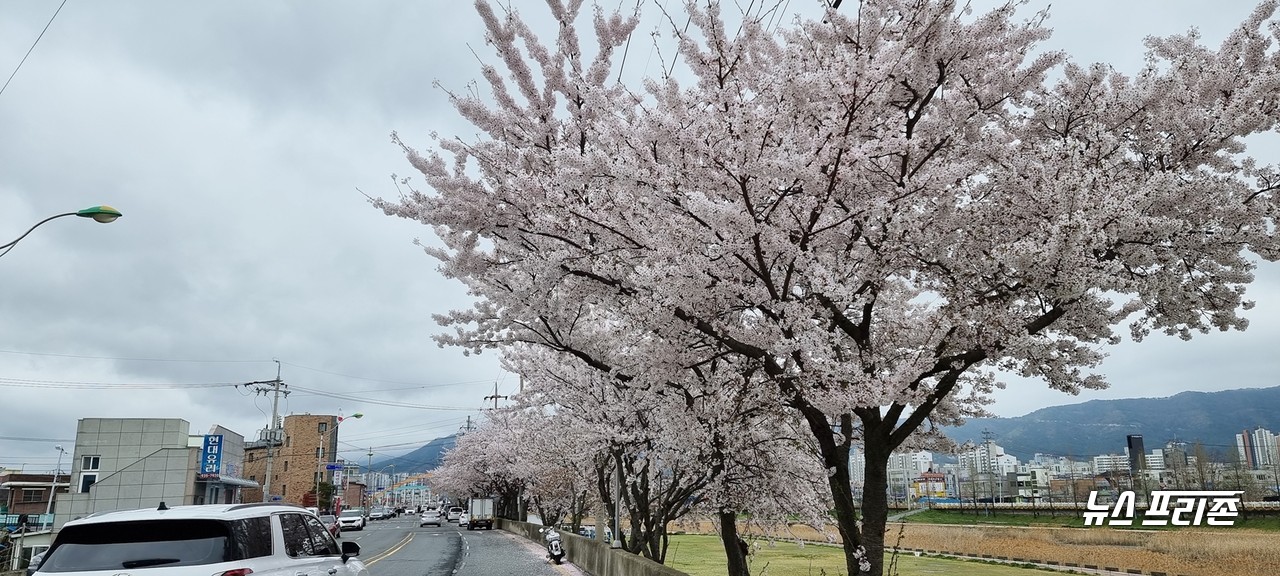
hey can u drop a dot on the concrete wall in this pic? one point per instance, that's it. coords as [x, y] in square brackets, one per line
[141, 461]
[593, 556]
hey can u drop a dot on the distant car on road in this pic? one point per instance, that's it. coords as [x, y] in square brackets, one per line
[454, 513]
[464, 520]
[351, 519]
[429, 516]
[378, 514]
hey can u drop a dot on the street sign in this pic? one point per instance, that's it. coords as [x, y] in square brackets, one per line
[332, 466]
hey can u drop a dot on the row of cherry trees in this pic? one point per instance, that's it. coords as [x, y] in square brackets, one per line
[578, 441]
[846, 227]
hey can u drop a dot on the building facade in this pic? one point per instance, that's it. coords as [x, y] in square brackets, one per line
[301, 459]
[128, 463]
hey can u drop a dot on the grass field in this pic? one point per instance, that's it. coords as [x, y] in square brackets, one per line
[703, 555]
[1250, 547]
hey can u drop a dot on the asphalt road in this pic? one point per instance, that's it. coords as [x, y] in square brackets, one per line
[399, 547]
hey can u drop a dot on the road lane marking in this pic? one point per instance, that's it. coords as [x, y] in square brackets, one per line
[390, 551]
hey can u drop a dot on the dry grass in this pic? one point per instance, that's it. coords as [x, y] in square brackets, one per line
[1219, 552]
[1194, 553]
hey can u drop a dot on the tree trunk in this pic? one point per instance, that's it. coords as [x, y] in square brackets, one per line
[733, 544]
[835, 458]
[875, 504]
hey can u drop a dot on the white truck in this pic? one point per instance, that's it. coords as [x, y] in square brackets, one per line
[480, 513]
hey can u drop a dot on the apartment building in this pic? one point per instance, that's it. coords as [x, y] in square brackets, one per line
[301, 456]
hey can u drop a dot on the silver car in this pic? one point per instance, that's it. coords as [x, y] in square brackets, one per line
[430, 516]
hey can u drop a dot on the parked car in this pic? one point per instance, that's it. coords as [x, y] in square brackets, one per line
[35, 563]
[464, 520]
[260, 539]
[454, 512]
[351, 519]
[331, 522]
[429, 516]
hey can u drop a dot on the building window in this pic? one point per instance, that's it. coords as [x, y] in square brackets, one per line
[318, 452]
[89, 466]
[286, 465]
[284, 489]
[249, 457]
[322, 427]
[33, 495]
[253, 478]
[288, 440]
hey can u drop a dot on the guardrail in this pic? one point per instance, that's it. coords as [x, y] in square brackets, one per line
[593, 556]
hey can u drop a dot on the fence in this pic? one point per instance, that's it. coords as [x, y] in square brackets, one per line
[593, 556]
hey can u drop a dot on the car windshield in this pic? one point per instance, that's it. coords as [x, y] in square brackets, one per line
[130, 545]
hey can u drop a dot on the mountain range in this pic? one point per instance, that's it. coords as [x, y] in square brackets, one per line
[1096, 427]
[1083, 430]
[422, 459]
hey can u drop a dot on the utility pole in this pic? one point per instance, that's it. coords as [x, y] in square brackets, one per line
[368, 481]
[496, 397]
[468, 427]
[992, 467]
[276, 388]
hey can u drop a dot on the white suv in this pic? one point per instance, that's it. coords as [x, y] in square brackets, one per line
[208, 540]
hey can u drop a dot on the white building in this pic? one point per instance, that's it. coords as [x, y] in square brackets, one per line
[1110, 463]
[1257, 448]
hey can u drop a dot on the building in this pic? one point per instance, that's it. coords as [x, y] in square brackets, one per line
[130, 463]
[127, 463]
[930, 484]
[24, 497]
[1136, 451]
[302, 458]
[1257, 449]
[1111, 463]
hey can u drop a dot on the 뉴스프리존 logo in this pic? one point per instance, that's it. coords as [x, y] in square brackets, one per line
[1168, 507]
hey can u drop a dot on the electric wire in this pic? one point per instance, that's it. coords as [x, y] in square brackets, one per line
[33, 47]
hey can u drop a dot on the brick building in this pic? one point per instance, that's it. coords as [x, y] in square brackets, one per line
[305, 444]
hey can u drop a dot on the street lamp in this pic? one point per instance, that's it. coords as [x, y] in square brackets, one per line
[320, 454]
[103, 214]
[53, 486]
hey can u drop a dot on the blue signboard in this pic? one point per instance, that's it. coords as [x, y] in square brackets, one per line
[332, 466]
[211, 456]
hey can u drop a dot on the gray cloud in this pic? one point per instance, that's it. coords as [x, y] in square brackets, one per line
[233, 135]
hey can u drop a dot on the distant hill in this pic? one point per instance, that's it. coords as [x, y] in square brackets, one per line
[1078, 430]
[422, 459]
[1100, 426]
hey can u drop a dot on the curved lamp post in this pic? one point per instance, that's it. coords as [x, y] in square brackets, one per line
[103, 214]
[320, 470]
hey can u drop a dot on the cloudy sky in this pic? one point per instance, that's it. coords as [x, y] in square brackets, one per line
[237, 138]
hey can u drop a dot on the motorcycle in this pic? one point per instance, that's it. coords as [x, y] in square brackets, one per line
[555, 548]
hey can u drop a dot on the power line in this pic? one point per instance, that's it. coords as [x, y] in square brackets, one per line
[33, 46]
[380, 402]
[24, 439]
[87, 357]
[71, 384]
[412, 385]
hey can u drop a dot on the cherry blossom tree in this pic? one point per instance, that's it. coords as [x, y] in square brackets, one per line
[875, 213]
